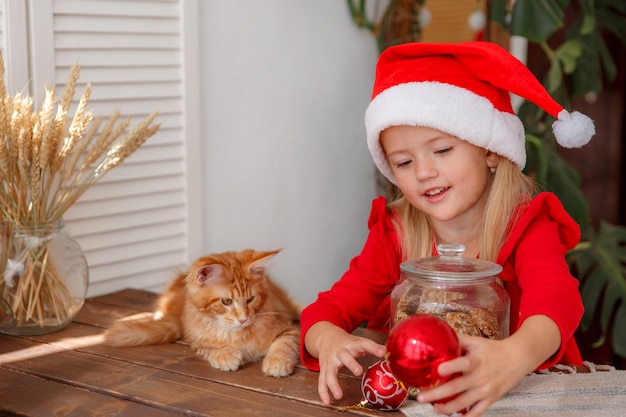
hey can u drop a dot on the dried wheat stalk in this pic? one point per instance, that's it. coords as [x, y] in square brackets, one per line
[47, 161]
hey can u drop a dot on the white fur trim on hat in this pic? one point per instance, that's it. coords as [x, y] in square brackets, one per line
[447, 108]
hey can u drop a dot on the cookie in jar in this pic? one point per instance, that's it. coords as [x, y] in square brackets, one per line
[465, 292]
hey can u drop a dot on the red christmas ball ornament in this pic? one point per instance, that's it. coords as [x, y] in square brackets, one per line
[381, 389]
[417, 345]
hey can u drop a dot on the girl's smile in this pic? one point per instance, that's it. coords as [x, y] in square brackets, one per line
[436, 193]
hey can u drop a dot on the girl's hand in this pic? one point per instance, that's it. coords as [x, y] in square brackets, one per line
[335, 348]
[491, 368]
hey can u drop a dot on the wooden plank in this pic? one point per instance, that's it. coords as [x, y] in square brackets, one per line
[100, 315]
[166, 390]
[22, 394]
[130, 298]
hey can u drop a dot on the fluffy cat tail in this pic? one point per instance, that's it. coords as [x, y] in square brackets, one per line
[150, 330]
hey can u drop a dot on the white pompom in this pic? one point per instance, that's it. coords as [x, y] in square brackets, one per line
[573, 130]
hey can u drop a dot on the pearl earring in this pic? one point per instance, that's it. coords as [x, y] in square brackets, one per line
[492, 170]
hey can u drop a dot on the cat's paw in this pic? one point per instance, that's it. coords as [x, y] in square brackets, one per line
[278, 366]
[225, 358]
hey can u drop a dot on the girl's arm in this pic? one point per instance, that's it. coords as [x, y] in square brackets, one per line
[361, 293]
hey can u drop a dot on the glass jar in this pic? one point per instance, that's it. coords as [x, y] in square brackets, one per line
[44, 279]
[464, 292]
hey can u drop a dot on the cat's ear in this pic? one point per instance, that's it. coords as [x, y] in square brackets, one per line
[259, 265]
[208, 273]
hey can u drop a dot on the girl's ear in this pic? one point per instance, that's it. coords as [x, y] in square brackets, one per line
[492, 159]
[207, 274]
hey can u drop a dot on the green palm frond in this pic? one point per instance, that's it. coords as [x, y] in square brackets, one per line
[601, 266]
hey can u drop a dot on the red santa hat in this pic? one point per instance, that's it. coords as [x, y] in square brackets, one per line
[462, 89]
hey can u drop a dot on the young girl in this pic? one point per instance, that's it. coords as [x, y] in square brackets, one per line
[441, 127]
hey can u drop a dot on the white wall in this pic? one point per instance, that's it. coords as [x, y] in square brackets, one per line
[283, 89]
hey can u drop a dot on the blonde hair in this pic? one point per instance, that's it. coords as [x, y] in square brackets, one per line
[509, 189]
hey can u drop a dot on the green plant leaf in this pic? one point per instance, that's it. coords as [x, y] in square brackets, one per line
[555, 75]
[536, 161]
[564, 181]
[602, 270]
[610, 69]
[613, 23]
[498, 12]
[619, 336]
[588, 25]
[568, 53]
[614, 6]
[587, 77]
[591, 286]
[536, 20]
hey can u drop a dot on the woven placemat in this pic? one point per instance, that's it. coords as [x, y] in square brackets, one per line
[601, 394]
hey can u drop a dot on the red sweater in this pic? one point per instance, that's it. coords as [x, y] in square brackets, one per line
[535, 276]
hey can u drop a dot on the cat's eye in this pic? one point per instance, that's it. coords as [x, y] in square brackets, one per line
[249, 300]
[227, 301]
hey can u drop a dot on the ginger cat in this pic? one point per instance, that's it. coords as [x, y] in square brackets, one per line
[230, 312]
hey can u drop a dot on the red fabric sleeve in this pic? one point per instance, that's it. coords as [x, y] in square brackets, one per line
[358, 296]
[541, 282]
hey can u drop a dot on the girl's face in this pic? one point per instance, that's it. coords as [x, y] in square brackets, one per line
[441, 175]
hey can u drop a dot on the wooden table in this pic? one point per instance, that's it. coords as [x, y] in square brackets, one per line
[69, 373]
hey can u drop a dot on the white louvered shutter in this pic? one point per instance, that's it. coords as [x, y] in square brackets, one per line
[133, 224]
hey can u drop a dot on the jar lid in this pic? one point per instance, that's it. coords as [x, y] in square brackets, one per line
[450, 264]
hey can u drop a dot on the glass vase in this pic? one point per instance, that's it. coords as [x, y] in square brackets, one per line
[44, 281]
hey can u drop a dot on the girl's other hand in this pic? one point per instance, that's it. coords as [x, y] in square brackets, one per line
[491, 368]
[335, 348]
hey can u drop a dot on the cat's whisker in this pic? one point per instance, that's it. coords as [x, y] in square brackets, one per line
[268, 312]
